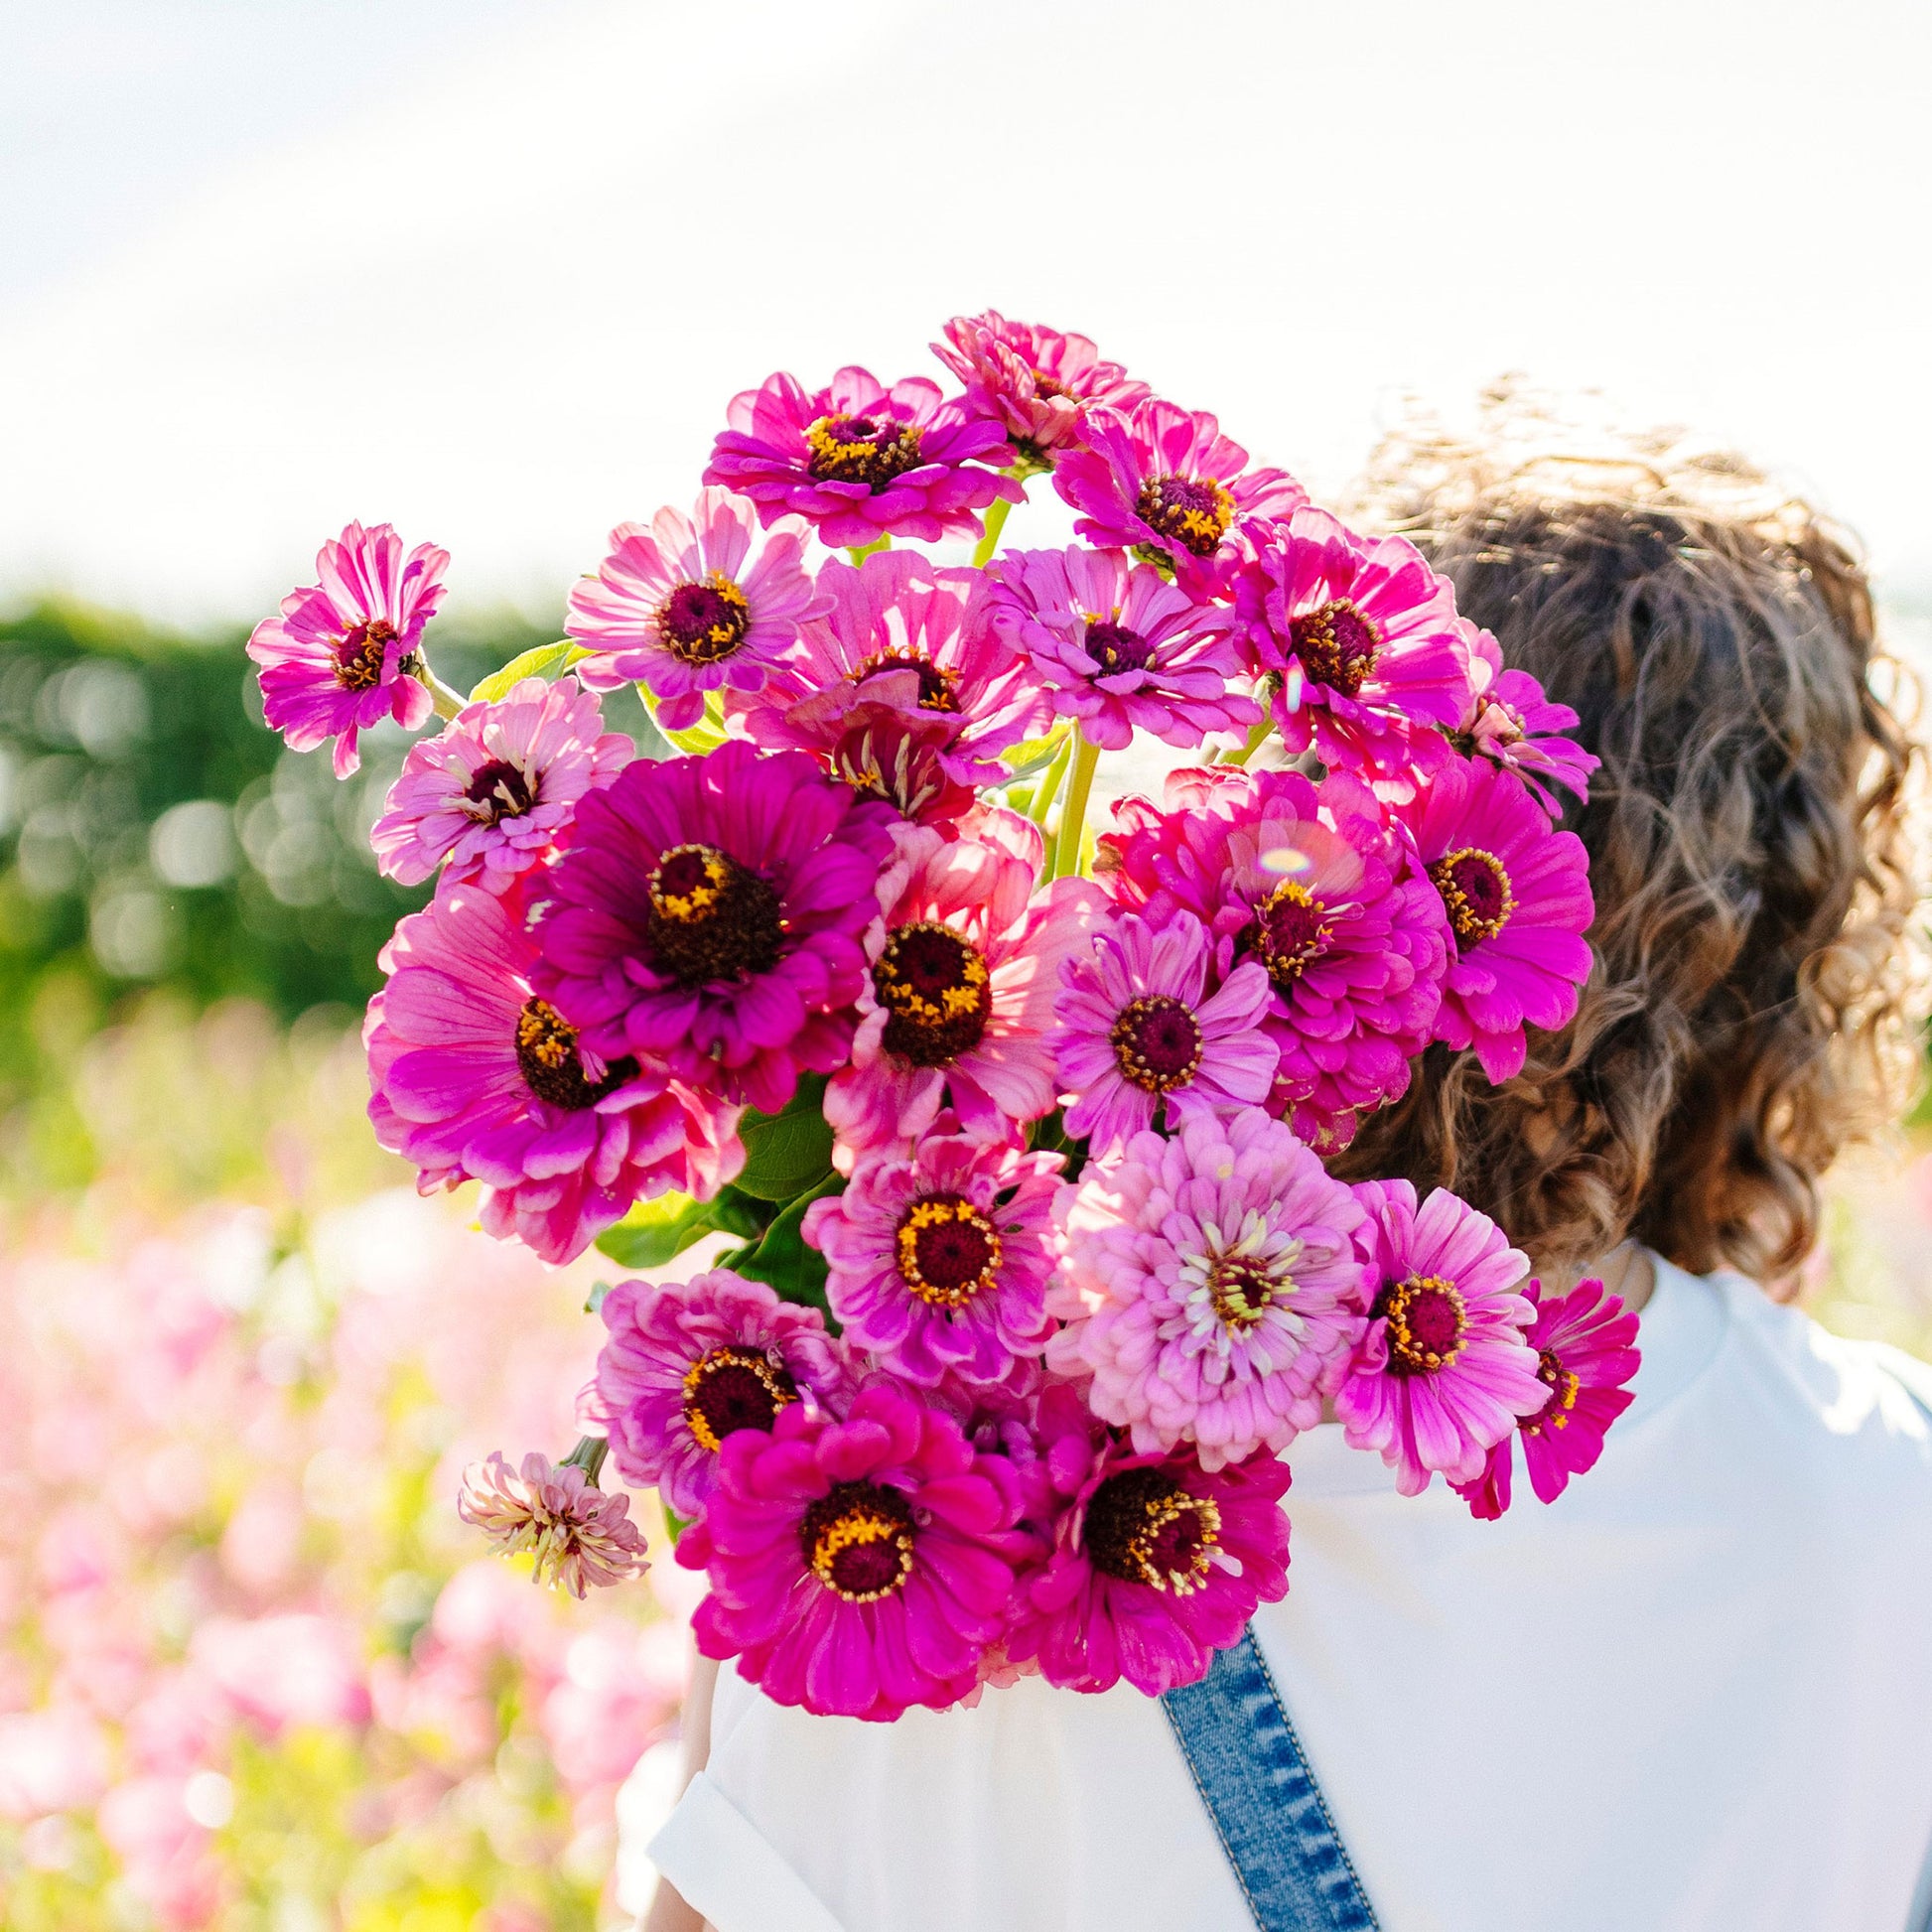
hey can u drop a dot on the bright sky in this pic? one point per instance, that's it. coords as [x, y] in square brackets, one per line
[490, 269]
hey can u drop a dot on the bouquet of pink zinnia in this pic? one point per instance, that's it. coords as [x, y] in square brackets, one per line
[1013, 1144]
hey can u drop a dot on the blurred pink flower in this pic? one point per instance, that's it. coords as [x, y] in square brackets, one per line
[54, 1760]
[277, 1671]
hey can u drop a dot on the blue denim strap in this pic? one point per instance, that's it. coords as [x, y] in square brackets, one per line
[1267, 1808]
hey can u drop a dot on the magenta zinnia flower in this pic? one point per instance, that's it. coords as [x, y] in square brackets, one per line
[1036, 382]
[1518, 899]
[1317, 885]
[690, 1363]
[1443, 1372]
[1213, 1287]
[904, 633]
[1157, 1562]
[1585, 1350]
[1161, 479]
[859, 1567]
[860, 461]
[1118, 647]
[939, 1262]
[476, 1077]
[712, 912]
[1365, 641]
[694, 603]
[342, 655]
[961, 993]
[1137, 1035]
[582, 1536]
[496, 790]
[1510, 721]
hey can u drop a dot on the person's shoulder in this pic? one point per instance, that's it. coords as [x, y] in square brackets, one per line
[1850, 1418]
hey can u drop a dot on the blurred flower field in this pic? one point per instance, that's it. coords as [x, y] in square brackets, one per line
[255, 1673]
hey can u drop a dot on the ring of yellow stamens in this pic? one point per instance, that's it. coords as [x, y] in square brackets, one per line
[959, 1235]
[1427, 1320]
[1475, 892]
[857, 1541]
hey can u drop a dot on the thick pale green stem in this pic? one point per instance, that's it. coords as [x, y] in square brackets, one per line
[995, 522]
[1256, 740]
[448, 703]
[859, 552]
[1073, 815]
[1050, 784]
[588, 1456]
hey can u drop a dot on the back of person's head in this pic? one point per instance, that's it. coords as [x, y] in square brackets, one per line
[1759, 977]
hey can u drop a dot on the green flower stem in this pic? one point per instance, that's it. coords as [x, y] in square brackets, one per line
[588, 1456]
[859, 552]
[1256, 740]
[1050, 784]
[1073, 815]
[995, 522]
[448, 703]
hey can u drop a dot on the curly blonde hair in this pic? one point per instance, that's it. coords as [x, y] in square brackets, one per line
[1760, 972]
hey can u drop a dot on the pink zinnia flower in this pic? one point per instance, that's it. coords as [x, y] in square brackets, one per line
[582, 1536]
[1585, 1350]
[901, 757]
[1365, 641]
[1318, 888]
[1518, 899]
[1135, 1033]
[476, 1077]
[1118, 647]
[939, 1262]
[860, 461]
[904, 633]
[964, 973]
[342, 655]
[1510, 721]
[1157, 1562]
[859, 1567]
[1443, 1372]
[712, 912]
[1213, 1287]
[1164, 481]
[690, 1363]
[694, 603]
[1036, 382]
[495, 792]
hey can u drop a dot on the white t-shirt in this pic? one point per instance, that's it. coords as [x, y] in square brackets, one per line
[1694, 1692]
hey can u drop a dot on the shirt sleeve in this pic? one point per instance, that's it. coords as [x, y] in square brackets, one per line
[725, 1867]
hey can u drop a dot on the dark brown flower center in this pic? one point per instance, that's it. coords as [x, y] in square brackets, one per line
[1291, 931]
[1337, 645]
[1143, 1527]
[359, 654]
[1193, 511]
[711, 918]
[547, 1057]
[1475, 890]
[735, 1388]
[939, 686]
[857, 1539]
[1563, 1385]
[497, 790]
[1158, 1042]
[862, 450]
[948, 1251]
[1427, 1320]
[936, 992]
[1115, 647]
[703, 623]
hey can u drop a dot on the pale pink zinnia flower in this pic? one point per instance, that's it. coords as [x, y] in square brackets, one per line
[1442, 1371]
[342, 655]
[1213, 1287]
[1135, 1033]
[1036, 382]
[960, 995]
[580, 1535]
[693, 604]
[1117, 647]
[496, 789]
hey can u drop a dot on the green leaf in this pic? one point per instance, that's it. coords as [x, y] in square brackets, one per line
[1049, 1136]
[783, 1259]
[701, 737]
[1034, 755]
[544, 661]
[658, 1231]
[787, 1153]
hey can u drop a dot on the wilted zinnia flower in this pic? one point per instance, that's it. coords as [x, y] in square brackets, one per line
[860, 461]
[1510, 721]
[493, 793]
[342, 655]
[581, 1535]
